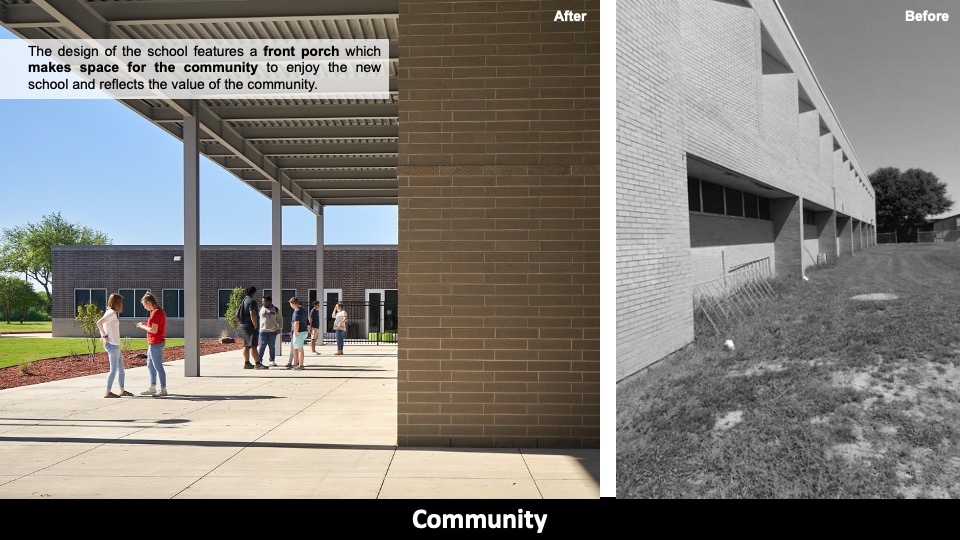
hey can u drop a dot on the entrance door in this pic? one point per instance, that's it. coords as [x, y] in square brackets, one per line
[381, 316]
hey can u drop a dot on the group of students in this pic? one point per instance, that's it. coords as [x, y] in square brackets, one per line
[156, 328]
[263, 324]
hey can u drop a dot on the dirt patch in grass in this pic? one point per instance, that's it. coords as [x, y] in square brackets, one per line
[835, 398]
[67, 367]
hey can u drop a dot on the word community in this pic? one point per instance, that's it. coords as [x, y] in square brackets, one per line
[521, 520]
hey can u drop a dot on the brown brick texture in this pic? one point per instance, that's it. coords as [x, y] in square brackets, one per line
[499, 224]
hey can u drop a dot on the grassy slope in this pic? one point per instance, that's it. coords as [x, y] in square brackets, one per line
[838, 398]
[15, 350]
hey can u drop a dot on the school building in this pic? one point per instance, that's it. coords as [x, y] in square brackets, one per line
[362, 276]
[729, 157]
[489, 145]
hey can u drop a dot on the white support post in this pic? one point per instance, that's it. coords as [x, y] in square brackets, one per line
[276, 244]
[191, 243]
[325, 310]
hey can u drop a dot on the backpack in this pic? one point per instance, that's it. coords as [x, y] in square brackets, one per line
[239, 314]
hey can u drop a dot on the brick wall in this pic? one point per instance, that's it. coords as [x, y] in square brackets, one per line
[351, 268]
[499, 224]
[654, 315]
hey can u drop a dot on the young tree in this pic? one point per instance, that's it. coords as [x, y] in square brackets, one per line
[87, 316]
[26, 249]
[16, 296]
[905, 199]
[236, 297]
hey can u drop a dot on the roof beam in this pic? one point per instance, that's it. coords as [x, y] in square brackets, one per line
[318, 132]
[188, 12]
[253, 113]
[77, 17]
[308, 149]
[312, 162]
[302, 176]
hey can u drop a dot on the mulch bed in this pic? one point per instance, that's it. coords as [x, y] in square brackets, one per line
[67, 367]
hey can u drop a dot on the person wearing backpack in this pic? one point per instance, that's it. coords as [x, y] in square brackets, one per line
[249, 317]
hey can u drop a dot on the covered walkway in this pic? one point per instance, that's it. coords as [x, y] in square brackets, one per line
[329, 431]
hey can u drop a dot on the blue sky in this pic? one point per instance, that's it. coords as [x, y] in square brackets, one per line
[892, 83]
[102, 165]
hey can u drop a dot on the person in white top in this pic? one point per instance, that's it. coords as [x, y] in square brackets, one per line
[340, 325]
[109, 326]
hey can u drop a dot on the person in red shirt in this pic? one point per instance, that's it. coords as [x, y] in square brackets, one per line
[156, 327]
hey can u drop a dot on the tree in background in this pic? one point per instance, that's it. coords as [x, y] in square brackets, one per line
[905, 199]
[87, 316]
[26, 249]
[17, 296]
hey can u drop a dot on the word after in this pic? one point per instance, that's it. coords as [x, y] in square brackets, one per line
[569, 16]
[927, 16]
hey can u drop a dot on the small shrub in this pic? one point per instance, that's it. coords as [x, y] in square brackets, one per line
[25, 367]
[87, 316]
[224, 334]
[126, 344]
[236, 297]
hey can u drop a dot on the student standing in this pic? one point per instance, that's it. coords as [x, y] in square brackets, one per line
[156, 327]
[249, 320]
[314, 327]
[109, 326]
[298, 333]
[270, 327]
[340, 325]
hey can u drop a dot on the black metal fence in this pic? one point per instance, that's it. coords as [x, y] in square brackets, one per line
[367, 322]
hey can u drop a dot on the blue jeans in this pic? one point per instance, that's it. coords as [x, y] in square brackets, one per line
[116, 364]
[268, 339]
[155, 364]
[340, 340]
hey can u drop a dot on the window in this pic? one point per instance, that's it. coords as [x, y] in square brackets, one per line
[734, 202]
[712, 197]
[223, 298]
[809, 217]
[715, 199]
[82, 297]
[131, 303]
[751, 207]
[693, 193]
[764, 205]
[173, 303]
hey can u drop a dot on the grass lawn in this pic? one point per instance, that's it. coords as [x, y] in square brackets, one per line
[16, 350]
[27, 326]
[823, 397]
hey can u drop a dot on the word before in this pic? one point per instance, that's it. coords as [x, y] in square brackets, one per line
[520, 520]
[927, 16]
[569, 16]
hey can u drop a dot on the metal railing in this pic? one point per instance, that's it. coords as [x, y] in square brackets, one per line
[367, 322]
[735, 294]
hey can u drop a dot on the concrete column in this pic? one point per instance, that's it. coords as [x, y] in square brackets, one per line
[320, 298]
[857, 238]
[787, 216]
[276, 244]
[827, 232]
[191, 243]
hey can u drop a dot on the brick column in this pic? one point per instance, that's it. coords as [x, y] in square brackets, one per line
[787, 216]
[499, 240]
[857, 235]
[827, 232]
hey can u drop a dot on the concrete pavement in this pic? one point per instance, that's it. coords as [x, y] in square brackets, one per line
[328, 431]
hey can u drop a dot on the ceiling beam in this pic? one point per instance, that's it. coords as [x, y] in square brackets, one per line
[146, 12]
[255, 133]
[307, 149]
[312, 162]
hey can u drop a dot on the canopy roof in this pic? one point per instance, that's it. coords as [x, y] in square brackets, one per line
[323, 152]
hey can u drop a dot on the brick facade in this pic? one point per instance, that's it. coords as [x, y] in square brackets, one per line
[723, 83]
[350, 268]
[499, 218]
